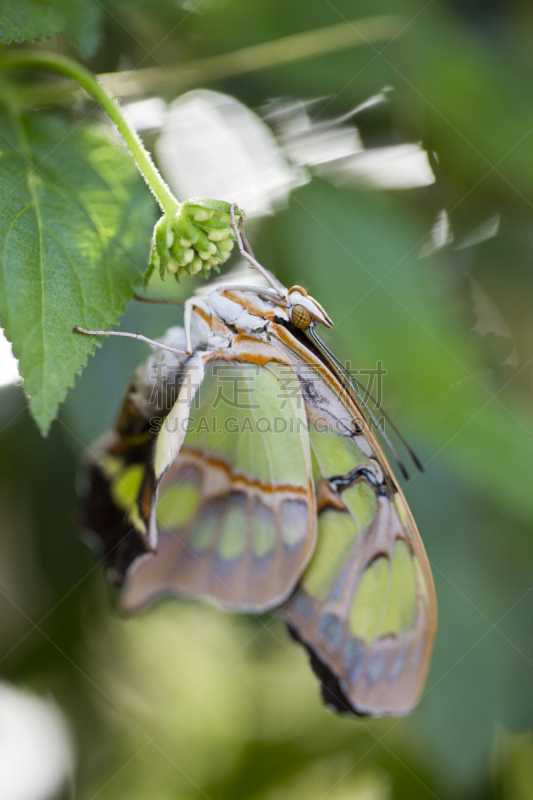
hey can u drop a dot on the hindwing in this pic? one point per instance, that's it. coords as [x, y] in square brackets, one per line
[365, 607]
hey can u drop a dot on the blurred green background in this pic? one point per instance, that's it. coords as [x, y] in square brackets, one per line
[187, 702]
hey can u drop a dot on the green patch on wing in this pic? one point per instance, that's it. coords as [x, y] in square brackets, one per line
[263, 536]
[336, 535]
[386, 598]
[244, 415]
[361, 500]
[125, 482]
[334, 454]
[398, 616]
[370, 600]
[232, 539]
[202, 535]
[177, 505]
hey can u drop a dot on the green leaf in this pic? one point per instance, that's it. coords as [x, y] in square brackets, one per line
[28, 20]
[75, 227]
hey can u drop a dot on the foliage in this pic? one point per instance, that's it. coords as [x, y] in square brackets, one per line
[75, 222]
[27, 20]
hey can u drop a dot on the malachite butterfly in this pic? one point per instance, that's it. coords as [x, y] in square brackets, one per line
[243, 470]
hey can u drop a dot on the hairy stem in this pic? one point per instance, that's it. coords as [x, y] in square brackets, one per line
[64, 66]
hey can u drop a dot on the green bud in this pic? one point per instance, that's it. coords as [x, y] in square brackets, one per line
[217, 236]
[185, 229]
[196, 265]
[215, 224]
[197, 238]
[178, 252]
[202, 215]
[203, 243]
[226, 246]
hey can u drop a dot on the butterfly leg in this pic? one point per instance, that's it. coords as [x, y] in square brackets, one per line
[153, 342]
[246, 252]
[189, 305]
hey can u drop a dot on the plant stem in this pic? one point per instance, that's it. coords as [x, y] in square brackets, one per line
[64, 66]
[309, 44]
[300, 46]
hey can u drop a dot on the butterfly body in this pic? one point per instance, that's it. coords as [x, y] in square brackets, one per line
[291, 506]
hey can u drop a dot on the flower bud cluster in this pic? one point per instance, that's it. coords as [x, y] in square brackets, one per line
[196, 239]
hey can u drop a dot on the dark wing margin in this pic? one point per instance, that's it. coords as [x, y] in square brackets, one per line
[115, 482]
[105, 524]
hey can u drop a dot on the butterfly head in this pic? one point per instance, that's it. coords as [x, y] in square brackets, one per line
[305, 311]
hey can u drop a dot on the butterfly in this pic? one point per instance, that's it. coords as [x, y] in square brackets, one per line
[244, 470]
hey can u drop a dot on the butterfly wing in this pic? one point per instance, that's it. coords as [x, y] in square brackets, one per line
[235, 513]
[114, 479]
[109, 483]
[365, 607]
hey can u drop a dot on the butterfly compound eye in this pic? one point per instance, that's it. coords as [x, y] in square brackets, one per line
[301, 317]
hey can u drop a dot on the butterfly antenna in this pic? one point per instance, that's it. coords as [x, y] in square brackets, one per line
[418, 464]
[160, 345]
[246, 252]
[346, 378]
[416, 461]
[246, 244]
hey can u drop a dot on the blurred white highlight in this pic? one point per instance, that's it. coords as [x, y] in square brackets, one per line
[334, 149]
[311, 143]
[480, 233]
[402, 166]
[36, 753]
[213, 146]
[9, 372]
[145, 115]
[439, 236]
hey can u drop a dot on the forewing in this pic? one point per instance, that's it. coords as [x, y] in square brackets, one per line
[235, 513]
[365, 607]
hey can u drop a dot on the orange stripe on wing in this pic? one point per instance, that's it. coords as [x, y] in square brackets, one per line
[239, 481]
